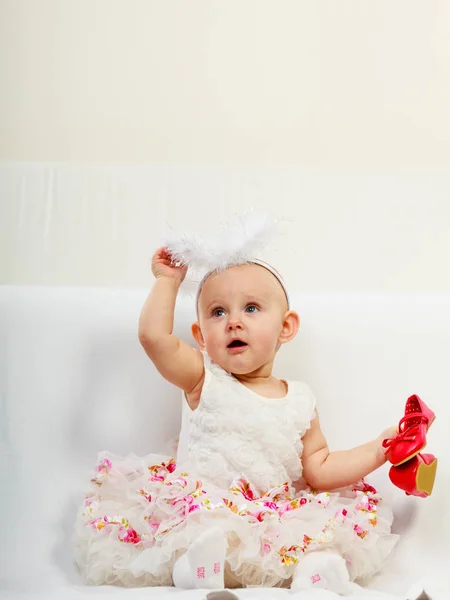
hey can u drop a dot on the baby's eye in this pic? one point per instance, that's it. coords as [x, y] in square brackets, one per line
[218, 312]
[251, 308]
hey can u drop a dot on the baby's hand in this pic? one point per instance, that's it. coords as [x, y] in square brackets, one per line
[387, 434]
[164, 266]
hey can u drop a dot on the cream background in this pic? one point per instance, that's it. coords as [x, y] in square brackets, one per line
[118, 118]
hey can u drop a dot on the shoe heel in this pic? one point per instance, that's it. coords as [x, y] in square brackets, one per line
[426, 474]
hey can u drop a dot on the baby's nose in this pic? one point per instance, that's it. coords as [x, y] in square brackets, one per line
[234, 324]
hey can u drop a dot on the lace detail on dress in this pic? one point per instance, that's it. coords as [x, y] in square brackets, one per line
[236, 431]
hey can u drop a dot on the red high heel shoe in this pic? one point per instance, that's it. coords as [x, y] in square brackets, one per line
[412, 431]
[415, 405]
[415, 477]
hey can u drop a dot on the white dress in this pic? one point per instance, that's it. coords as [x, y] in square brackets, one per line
[239, 467]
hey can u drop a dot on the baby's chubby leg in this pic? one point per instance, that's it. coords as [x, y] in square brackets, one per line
[324, 569]
[203, 563]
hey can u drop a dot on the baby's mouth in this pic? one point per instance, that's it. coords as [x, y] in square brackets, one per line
[236, 344]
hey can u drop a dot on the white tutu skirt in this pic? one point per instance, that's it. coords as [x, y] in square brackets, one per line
[141, 514]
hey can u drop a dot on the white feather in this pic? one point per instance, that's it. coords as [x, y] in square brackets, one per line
[235, 244]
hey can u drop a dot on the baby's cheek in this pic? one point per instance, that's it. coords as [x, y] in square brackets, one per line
[213, 343]
[269, 339]
[214, 338]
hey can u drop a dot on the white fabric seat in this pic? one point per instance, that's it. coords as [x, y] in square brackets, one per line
[74, 380]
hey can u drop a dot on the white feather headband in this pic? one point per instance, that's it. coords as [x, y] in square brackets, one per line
[237, 244]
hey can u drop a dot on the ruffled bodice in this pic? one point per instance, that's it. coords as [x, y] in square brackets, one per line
[235, 430]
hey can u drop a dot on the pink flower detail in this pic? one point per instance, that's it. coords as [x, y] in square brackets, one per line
[154, 525]
[360, 532]
[104, 466]
[315, 578]
[99, 523]
[217, 567]
[146, 495]
[185, 500]
[368, 488]
[284, 508]
[265, 548]
[159, 472]
[131, 537]
[303, 501]
[201, 573]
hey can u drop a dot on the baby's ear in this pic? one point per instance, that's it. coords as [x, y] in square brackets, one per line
[198, 336]
[291, 325]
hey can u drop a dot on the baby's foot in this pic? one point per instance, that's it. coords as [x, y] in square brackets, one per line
[181, 574]
[206, 556]
[326, 570]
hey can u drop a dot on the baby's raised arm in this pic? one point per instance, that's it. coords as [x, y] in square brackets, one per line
[177, 362]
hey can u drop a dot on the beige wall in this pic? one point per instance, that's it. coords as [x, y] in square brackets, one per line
[318, 83]
[335, 114]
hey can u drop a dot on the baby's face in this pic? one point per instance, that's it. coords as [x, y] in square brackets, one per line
[241, 314]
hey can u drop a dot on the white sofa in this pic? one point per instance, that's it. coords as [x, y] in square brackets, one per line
[74, 381]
